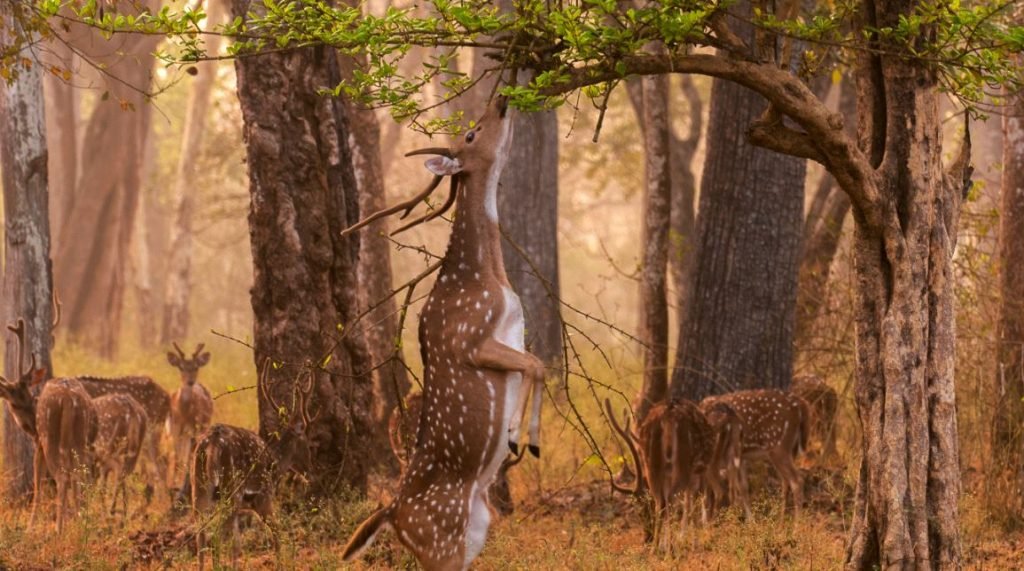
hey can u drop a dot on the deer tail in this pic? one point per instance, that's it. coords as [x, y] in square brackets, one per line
[366, 533]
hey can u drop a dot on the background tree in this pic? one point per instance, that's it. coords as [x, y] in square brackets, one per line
[741, 294]
[1007, 433]
[305, 292]
[92, 258]
[27, 278]
[179, 255]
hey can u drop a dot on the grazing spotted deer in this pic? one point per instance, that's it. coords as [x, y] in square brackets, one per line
[233, 466]
[727, 454]
[154, 400]
[119, 440]
[823, 403]
[478, 377]
[775, 427]
[61, 420]
[191, 410]
[672, 452]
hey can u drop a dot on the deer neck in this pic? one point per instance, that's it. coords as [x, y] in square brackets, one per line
[474, 250]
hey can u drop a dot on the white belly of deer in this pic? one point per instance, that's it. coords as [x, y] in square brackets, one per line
[510, 330]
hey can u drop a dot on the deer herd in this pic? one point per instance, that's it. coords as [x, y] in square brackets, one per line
[452, 440]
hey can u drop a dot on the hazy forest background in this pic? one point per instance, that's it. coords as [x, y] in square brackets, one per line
[150, 223]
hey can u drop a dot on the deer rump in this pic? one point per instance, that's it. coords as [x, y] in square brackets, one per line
[65, 445]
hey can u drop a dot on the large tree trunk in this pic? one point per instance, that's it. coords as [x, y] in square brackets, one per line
[93, 255]
[305, 290]
[27, 278]
[179, 255]
[905, 512]
[654, 242]
[1008, 428]
[741, 296]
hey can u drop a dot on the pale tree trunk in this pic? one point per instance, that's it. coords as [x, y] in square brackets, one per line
[906, 214]
[92, 259]
[142, 260]
[27, 279]
[741, 296]
[179, 255]
[653, 332]
[823, 228]
[304, 193]
[1008, 428]
[62, 137]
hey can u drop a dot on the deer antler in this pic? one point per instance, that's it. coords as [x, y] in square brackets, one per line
[262, 386]
[178, 349]
[428, 217]
[198, 349]
[19, 332]
[408, 205]
[56, 310]
[304, 395]
[629, 438]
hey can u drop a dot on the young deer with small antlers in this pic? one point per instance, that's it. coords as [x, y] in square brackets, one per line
[474, 391]
[191, 410]
[122, 432]
[61, 420]
[234, 466]
[775, 427]
[672, 452]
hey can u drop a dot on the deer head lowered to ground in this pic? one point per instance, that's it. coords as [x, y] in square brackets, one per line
[122, 432]
[61, 420]
[477, 375]
[672, 451]
[191, 409]
[235, 467]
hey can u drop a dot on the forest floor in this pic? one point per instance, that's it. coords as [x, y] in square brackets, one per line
[577, 526]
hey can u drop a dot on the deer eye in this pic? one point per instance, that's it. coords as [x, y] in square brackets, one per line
[470, 136]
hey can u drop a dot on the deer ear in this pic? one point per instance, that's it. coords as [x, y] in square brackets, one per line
[443, 166]
[173, 359]
[38, 376]
[203, 359]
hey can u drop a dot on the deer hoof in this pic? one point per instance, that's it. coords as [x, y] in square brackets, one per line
[535, 450]
[514, 447]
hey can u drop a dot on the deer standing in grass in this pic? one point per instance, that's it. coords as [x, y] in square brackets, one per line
[154, 401]
[672, 451]
[119, 440]
[775, 426]
[478, 377]
[61, 420]
[234, 467]
[191, 410]
[823, 403]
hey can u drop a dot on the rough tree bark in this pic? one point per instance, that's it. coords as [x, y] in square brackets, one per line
[741, 295]
[178, 290]
[27, 278]
[305, 289]
[61, 136]
[1008, 427]
[93, 255]
[654, 242]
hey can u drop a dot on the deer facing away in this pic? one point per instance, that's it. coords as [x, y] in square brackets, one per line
[191, 410]
[61, 420]
[236, 467]
[478, 377]
[122, 433]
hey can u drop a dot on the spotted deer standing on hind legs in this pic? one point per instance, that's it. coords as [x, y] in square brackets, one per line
[478, 377]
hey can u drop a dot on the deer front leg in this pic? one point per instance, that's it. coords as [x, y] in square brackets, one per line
[492, 354]
[38, 468]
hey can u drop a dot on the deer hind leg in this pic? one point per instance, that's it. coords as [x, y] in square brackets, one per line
[38, 470]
